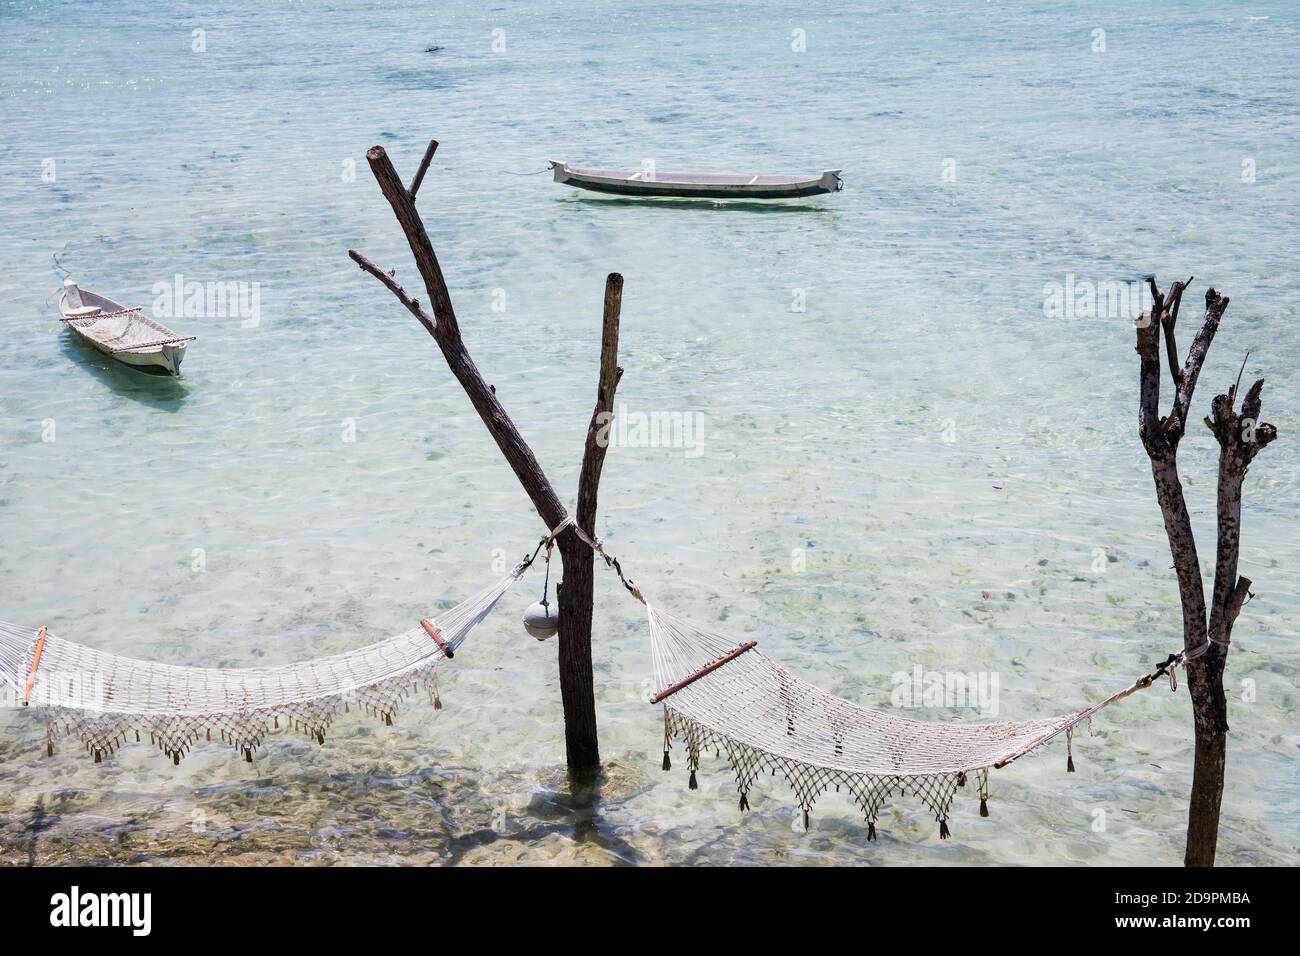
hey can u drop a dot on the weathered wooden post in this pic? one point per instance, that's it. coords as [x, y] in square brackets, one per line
[1241, 437]
[576, 589]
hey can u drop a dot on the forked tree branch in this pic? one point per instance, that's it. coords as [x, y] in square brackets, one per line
[576, 593]
[1161, 435]
[576, 684]
[593, 456]
[424, 168]
[1241, 437]
[446, 332]
[412, 305]
[426, 260]
[1215, 305]
[1168, 320]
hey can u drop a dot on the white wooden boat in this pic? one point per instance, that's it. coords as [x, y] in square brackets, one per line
[127, 335]
[696, 185]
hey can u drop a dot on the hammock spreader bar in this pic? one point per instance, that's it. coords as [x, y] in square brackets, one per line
[36, 662]
[706, 669]
[432, 631]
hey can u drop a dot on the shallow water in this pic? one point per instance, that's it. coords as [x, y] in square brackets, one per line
[916, 471]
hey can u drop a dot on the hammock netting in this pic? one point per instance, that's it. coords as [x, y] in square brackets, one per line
[126, 330]
[767, 722]
[105, 700]
[718, 696]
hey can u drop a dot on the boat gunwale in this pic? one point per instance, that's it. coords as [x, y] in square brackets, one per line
[83, 325]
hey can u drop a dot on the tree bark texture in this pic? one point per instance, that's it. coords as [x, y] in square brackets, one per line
[1205, 640]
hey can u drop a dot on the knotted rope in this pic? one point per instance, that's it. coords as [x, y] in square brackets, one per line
[598, 545]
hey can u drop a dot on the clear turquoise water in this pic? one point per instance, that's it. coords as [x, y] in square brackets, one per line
[922, 431]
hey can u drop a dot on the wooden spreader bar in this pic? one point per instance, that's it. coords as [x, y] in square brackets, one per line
[432, 631]
[708, 668]
[36, 662]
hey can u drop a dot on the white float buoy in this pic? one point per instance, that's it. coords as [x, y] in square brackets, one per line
[542, 620]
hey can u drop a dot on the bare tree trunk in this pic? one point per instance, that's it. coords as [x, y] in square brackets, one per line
[576, 593]
[576, 681]
[1241, 437]
[1205, 643]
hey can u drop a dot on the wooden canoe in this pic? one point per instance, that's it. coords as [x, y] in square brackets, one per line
[696, 185]
[127, 335]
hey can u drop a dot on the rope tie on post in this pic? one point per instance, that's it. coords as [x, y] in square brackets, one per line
[559, 528]
[598, 545]
[1166, 667]
[545, 542]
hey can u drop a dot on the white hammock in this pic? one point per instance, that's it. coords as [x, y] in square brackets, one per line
[724, 696]
[717, 695]
[102, 699]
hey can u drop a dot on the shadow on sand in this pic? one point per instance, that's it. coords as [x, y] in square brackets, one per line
[161, 391]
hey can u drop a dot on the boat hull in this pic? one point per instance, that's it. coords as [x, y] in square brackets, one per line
[704, 186]
[114, 329]
[164, 360]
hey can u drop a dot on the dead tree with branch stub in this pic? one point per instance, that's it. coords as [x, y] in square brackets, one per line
[576, 590]
[1241, 436]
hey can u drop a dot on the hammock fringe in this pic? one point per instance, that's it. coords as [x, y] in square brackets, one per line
[244, 732]
[763, 719]
[102, 699]
[869, 793]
